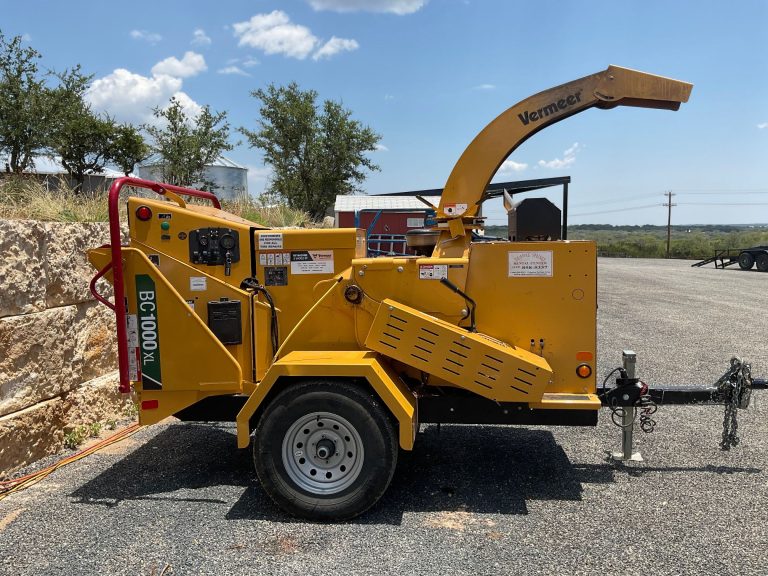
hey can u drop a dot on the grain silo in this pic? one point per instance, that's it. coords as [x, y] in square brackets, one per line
[230, 180]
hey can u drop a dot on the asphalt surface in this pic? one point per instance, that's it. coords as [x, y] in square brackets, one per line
[181, 499]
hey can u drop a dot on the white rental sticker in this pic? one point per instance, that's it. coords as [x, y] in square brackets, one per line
[270, 241]
[312, 262]
[263, 259]
[531, 264]
[414, 222]
[433, 271]
[198, 284]
[455, 209]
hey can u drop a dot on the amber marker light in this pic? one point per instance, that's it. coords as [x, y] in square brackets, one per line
[143, 213]
[584, 371]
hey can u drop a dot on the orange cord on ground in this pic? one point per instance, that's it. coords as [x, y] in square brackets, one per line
[8, 487]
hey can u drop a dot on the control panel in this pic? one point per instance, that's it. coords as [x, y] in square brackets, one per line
[214, 247]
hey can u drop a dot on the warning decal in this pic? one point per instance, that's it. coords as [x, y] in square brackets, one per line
[133, 347]
[312, 262]
[433, 271]
[530, 264]
[270, 241]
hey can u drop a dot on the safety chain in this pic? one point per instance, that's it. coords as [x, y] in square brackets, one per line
[735, 388]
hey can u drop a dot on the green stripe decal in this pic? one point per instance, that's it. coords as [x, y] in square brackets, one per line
[149, 332]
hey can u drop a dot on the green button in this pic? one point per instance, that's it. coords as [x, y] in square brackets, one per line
[165, 225]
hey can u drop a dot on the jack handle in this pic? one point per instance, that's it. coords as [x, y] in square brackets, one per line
[117, 260]
[95, 292]
[470, 303]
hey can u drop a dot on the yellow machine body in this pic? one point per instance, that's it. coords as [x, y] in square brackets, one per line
[223, 308]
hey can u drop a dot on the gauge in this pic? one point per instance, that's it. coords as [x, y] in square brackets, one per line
[227, 241]
[203, 240]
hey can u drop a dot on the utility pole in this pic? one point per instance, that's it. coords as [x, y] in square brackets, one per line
[669, 204]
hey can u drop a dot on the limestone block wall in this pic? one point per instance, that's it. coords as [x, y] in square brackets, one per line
[58, 352]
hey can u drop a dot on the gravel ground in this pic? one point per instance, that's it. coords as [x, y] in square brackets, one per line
[181, 499]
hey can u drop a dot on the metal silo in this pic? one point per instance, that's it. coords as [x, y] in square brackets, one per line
[229, 178]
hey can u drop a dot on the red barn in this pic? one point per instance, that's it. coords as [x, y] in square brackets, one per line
[385, 218]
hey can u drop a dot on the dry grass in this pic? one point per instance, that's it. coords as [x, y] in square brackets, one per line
[274, 216]
[28, 199]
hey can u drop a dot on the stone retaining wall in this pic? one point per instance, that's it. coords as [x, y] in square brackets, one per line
[58, 351]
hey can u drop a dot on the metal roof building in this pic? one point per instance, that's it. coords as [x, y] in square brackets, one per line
[347, 203]
[51, 173]
[386, 219]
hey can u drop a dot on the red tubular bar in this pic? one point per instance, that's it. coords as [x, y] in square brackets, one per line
[95, 292]
[117, 259]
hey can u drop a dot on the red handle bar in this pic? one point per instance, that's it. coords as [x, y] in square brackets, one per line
[117, 260]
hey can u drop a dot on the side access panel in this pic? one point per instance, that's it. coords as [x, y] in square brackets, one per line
[175, 358]
[472, 361]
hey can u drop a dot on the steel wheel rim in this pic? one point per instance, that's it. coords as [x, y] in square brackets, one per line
[309, 440]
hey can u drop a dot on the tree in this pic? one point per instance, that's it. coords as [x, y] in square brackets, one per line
[84, 143]
[80, 137]
[25, 105]
[127, 148]
[186, 145]
[314, 155]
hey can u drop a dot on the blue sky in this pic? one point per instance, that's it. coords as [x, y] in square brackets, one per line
[428, 75]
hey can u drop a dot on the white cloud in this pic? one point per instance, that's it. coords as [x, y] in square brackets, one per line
[334, 46]
[485, 87]
[191, 108]
[250, 62]
[130, 97]
[26, 37]
[229, 70]
[762, 125]
[381, 148]
[191, 64]
[510, 166]
[388, 97]
[569, 157]
[274, 33]
[398, 7]
[146, 36]
[200, 38]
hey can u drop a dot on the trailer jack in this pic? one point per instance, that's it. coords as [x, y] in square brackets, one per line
[630, 397]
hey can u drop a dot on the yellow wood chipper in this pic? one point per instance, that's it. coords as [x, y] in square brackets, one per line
[328, 360]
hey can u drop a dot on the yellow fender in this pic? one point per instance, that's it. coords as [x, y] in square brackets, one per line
[338, 364]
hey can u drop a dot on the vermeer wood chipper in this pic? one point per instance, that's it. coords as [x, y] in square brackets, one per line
[328, 360]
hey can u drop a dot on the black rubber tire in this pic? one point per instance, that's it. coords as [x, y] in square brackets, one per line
[746, 261]
[762, 262]
[363, 410]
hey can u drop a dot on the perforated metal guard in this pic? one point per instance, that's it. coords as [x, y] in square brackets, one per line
[476, 362]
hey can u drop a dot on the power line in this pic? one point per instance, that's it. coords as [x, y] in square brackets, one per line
[618, 210]
[722, 191]
[616, 200]
[724, 203]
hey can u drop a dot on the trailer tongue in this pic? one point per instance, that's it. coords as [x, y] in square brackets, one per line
[630, 397]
